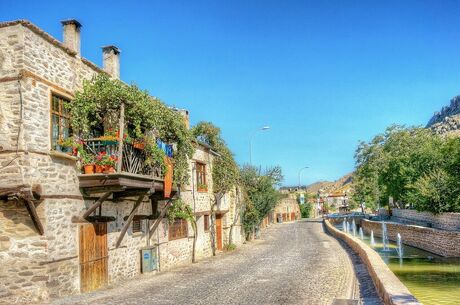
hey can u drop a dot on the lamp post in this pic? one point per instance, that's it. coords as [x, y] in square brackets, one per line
[300, 173]
[250, 141]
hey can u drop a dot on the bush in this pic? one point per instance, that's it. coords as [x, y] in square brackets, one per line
[305, 210]
[229, 247]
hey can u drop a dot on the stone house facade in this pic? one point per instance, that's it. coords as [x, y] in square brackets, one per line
[44, 244]
[287, 209]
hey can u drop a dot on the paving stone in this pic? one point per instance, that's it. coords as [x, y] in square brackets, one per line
[290, 264]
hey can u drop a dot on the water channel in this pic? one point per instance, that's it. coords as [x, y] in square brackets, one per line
[432, 279]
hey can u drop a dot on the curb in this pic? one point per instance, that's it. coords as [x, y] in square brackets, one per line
[388, 286]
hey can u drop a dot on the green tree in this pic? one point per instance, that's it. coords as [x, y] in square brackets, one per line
[262, 194]
[413, 165]
[305, 210]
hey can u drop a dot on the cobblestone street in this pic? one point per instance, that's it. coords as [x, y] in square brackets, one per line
[292, 263]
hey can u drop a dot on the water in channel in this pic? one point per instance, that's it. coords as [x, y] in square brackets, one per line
[432, 279]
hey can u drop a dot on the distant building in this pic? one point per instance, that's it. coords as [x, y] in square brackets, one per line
[287, 209]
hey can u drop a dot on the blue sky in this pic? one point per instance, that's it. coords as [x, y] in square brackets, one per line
[321, 74]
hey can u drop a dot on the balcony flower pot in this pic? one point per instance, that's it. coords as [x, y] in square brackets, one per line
[139, 145]
[99, 168]
[109, 169]
[88, 169]
[202, 188]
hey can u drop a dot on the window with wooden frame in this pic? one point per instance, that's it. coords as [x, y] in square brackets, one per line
[206, 222]
[178, 229]
[60, 120]
[137, 225]
[201, 177]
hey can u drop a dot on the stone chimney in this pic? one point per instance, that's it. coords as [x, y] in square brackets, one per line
[71, 35]
[186, 116]
[111, 60]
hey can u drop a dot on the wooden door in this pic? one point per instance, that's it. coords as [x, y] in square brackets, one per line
[93, 256]
[219, 232]
[292, 216]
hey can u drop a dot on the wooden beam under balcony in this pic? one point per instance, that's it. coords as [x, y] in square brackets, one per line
[126, 180]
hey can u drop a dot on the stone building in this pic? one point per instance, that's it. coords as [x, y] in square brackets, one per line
[287, 209]
[51, 244]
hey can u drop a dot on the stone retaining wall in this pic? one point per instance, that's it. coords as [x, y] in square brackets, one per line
[388, 286]
[441, 242]
[444, 221]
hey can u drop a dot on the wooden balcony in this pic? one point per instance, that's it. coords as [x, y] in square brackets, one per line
[135, 173]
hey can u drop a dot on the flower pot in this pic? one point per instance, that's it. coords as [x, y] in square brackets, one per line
[99, 168]
[89, 169]
[139, 145]
[109, 169]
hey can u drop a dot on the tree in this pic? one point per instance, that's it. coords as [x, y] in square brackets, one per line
[305, 210]
[262, 194]
[412, 165]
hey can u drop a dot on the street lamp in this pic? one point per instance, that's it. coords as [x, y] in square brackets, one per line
[250, 141]
[300, 173]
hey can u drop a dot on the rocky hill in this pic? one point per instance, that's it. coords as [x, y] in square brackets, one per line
[447, 121]
[330, 186]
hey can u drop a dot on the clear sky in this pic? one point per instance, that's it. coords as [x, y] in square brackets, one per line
[321, 74]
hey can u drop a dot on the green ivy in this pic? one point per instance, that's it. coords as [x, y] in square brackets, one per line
[225, 171]
[99, 103]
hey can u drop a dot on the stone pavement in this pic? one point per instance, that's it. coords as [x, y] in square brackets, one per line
[292, 263]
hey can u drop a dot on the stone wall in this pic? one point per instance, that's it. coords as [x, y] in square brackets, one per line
[288, 205]
[35, 268]
[444, 221]
[22, 276]
[389, 287]
[441, 242]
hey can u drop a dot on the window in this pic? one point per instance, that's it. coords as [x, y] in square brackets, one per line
[206, 223]
[60, 126]
[178, 229]
[137, 225]
[201, 177]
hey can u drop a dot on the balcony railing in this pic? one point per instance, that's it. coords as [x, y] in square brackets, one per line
[133, 159]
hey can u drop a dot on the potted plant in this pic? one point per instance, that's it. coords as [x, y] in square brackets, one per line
[111, 162]
[105, 163]
[110, 137]
[65, 145]
[139, 143]
[87, 160]
[202, 187]
[100, 162]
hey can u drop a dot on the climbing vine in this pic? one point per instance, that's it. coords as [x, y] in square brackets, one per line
[98, 104]
[225, 171]
[180, 210]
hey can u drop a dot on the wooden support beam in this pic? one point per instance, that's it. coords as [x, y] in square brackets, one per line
[97, 204]
[120, 137]
[92, 219]
[33, 214]
[139, 217]
[157, 222]
[22, 191]
[129, 220]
